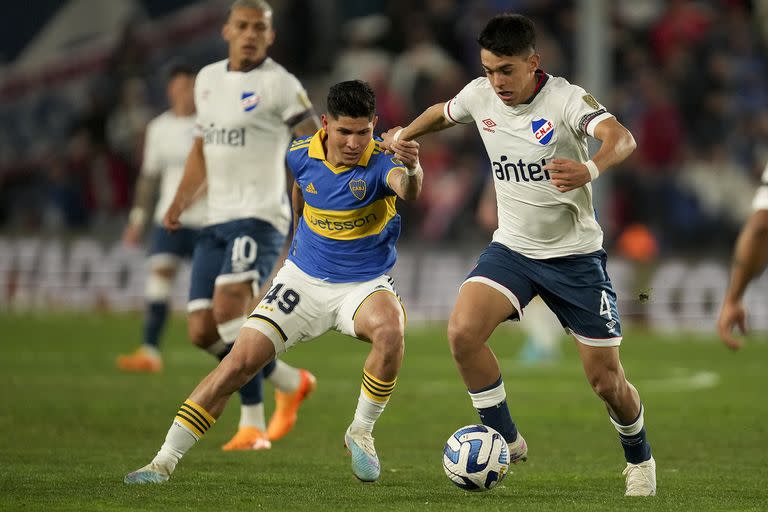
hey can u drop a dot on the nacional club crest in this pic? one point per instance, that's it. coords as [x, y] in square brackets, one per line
[543, 130]
[358, 188]
[249, 100]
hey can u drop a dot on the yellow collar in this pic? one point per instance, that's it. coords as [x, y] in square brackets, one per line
[317, 151]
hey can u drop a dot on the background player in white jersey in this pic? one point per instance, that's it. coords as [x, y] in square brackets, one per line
[247, 105]
[534, 128]
[750, 258]
[335, 277]
[166, 146]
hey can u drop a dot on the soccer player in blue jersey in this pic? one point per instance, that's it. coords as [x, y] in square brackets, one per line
[334, 278]
[534, 127]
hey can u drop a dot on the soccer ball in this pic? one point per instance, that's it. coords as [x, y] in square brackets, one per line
[476, 458]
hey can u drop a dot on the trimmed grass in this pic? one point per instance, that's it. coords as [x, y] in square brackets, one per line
[72, 426]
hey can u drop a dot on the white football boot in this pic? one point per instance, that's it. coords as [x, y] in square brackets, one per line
[365, 462]
[149, 474]
[641, 478]
[518, 450]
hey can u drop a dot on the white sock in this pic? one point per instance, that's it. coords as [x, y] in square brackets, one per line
[177, 442]
[367, 412]
[253, 416]
[285, 377]
[230, 329]
[542, 325]
[217, 348]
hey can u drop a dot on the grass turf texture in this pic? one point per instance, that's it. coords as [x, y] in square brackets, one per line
[72, 426]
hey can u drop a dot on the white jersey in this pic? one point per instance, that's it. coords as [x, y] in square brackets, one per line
[243, 120]
[166, 147]
[535, 219]
[761, 197]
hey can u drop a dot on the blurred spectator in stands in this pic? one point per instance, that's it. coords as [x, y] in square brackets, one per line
[126, 123]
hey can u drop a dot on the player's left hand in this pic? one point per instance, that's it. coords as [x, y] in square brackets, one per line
[567, 175]
[732, 316]
[407, 151]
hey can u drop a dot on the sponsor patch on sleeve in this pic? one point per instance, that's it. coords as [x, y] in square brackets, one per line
[591, 101]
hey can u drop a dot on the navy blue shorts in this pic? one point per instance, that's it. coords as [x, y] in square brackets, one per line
[243, 250]
[576, 288]
[167, 247]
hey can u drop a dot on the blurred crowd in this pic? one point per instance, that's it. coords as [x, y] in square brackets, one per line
[688, 78]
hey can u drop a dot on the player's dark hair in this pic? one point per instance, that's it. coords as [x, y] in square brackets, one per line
[353, 98]
[180, 68]
[508, 34]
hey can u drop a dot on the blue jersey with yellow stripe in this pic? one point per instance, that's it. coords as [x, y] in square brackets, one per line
[350, 225]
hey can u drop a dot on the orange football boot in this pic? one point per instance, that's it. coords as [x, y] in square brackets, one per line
[248, 438]
[140, 361]
[287, 406]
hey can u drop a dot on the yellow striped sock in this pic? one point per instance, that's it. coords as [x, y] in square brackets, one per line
[195, 418]
[376, 389]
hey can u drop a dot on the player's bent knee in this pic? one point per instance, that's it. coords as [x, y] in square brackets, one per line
[462, 337]
[607, 386]
[202, 329]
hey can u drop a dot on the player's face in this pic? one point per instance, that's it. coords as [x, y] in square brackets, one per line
[181, 94]
[512, 76]
[347, 138]
[249, 33]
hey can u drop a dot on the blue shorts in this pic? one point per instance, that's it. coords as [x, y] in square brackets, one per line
[239, 251]
[167, 247]
[576, 288]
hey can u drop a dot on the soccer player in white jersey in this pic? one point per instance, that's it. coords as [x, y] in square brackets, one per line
[166, 146]
[335, 277]
[247, 107]
[750, 258]
[534, 127]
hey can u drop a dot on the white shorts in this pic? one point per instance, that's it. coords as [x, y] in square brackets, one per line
[299, 307]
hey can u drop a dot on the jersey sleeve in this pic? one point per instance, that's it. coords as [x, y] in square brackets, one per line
[760, 202]
[152, 161]
[583, 112]
[200, 120]
[294, 105]
[391, 164]
[293, 158]
[458, 109]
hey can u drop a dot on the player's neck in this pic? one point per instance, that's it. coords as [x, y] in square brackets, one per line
[182, 111]
[245, 65]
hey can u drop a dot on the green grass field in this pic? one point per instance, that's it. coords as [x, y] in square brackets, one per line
[71, 426]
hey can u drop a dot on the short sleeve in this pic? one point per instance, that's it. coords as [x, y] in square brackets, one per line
[294, 105]
[392, 165]
[583, 112]
[760, 202]
[457, 109]
[200, 121]
[152, 161]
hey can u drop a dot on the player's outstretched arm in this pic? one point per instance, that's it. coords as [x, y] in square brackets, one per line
[192, 185]
[617, 143]
[749, 260]
[431, 120]
[406, 182]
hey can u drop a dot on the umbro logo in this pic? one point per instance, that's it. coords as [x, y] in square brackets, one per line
[489, 124]
[311, 188]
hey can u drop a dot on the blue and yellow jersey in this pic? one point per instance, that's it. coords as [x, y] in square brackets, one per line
[350, 226]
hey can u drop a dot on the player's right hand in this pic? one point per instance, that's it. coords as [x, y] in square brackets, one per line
[132, 235]
[388, 138]
[732, 315]
[171, 218]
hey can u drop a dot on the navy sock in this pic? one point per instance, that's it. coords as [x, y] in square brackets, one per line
[154, 321]
[497, 416]
[636, 447]
[250, 393]
[268, 369]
